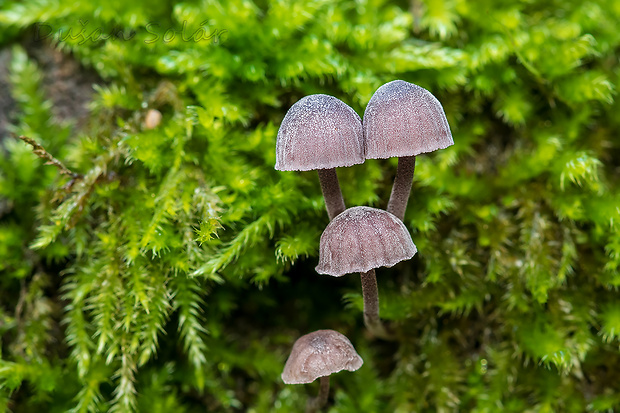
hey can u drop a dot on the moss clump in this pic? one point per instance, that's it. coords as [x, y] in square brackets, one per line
[176, 270]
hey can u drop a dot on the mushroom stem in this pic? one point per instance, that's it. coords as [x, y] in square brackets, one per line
[402, 187]
[370, 292]
[331, 192]
[319, 401]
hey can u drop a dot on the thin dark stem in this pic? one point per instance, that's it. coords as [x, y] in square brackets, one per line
[370, 292]
[319, 401]
[43, 154]
[402, 186]
[331, 192]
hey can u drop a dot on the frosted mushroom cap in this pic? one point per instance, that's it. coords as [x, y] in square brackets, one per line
[319, 132]
[363, 238]
[403, 119]
[319, 354]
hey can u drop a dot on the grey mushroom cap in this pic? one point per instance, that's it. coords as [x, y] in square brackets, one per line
[362, 238]
[403, 119]
[319, 354]
[319, 132]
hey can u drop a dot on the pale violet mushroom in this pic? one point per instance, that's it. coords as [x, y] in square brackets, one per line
[359, 240]
[320, 354]
[320, 132]
[404, 120]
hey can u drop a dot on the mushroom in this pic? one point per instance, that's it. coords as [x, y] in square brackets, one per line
[321, 132]
[360, 240]
[404, 120]
[320, 354]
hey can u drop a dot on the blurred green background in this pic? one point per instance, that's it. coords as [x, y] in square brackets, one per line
[175, 268]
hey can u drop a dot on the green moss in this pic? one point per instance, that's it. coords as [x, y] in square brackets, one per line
[176, 268]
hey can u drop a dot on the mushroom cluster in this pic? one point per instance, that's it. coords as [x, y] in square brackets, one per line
[320, 132]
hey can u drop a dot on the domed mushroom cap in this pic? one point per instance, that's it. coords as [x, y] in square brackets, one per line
[319, 354]
[363, 238]
[319, 132]
[403, 119]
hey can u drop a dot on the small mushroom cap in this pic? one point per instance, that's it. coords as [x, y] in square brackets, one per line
[363, 238]
[319, 354]
[319, 132]
[403, 119]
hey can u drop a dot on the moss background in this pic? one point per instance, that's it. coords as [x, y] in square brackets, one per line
[175, 268]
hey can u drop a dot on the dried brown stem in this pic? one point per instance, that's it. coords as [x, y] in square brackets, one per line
[40, 151]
